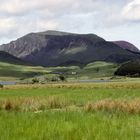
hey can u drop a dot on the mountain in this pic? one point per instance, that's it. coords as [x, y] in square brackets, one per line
[53, 48]
[8, 58]
[127, 46]
[131, 68]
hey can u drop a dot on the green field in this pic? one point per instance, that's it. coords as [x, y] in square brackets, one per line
[105, 111]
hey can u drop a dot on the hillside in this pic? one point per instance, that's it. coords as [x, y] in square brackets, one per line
[10, 71]
[131, 68]
[53, 48]
[8, 58]
[90, 71]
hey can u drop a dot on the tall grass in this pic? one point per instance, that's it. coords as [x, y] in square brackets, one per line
[33, 103]
[68, 126]
[125, 106]
[54, 102]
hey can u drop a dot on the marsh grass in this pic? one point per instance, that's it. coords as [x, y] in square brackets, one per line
[125, 106]
[33, 103]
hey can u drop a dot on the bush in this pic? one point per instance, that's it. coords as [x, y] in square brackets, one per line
[1, 86]
[62, 78]
[8, 106]
[35, 80]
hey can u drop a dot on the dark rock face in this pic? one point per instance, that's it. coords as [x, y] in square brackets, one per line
[131, 68]
[54, 48]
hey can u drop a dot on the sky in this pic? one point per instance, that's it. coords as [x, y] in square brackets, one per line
[110, 19]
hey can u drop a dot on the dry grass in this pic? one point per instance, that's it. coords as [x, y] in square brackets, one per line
[33, 103]
[54, 102]
[132, 106]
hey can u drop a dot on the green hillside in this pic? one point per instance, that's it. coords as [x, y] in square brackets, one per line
[8, 70]
[92, 70]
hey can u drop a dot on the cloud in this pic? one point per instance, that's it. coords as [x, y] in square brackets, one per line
[7, 25]
[132, 11]
[20, 7]
[26, 16]
[19, 17]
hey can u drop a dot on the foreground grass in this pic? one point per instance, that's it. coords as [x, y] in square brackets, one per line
[70, 112]
[68, 126]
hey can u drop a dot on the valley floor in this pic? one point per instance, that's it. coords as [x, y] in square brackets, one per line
[71, 111]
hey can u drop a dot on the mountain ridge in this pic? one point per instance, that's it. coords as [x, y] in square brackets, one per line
[53, 48]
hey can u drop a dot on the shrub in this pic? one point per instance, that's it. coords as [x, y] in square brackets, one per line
[1, 86]
[62, 78]
[35, 80]
[8, 105]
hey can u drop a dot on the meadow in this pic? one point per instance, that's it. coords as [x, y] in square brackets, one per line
[71, 111]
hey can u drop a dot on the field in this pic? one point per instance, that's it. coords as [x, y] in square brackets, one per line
[71, 111]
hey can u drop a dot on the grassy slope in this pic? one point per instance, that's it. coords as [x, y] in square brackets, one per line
[71, 124]
[92, 70]
[19, 71]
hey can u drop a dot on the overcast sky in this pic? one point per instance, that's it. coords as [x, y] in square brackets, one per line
[110, 19]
